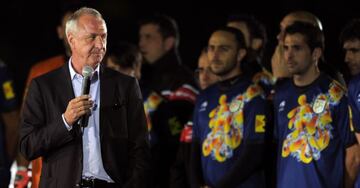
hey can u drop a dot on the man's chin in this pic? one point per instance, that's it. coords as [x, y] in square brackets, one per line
[291, 71]
[94, 63]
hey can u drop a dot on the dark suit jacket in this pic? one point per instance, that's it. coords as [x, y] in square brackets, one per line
[123, 133]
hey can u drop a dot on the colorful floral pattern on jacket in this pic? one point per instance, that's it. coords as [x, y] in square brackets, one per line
[311, 127]
[226, 124]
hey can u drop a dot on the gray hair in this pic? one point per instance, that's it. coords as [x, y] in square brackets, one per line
[72, 22]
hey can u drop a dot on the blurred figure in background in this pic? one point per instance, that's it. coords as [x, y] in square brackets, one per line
[350, 41]
[181, 170]
[169, 92]
[203, 73]
[9, 121]
[256, 39]
[125, 58]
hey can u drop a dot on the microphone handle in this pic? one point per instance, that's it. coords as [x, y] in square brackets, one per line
[85, 89]
[83, 121]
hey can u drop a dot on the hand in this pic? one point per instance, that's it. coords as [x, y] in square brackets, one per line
[21, 178]
[76, 108]
[278, 64]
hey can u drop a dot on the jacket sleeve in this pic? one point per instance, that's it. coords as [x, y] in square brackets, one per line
[250, 161]
[40, 135]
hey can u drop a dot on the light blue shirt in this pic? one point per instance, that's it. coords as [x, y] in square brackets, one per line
[92, 161]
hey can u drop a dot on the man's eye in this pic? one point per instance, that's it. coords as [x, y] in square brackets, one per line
[224, 49]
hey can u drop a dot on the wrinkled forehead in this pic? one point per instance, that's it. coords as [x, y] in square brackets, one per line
[92, 23]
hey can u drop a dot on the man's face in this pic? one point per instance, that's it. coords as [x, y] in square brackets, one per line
[151, 43]
[88, 43]
[222, 53]
[352, 55]
[298, 56]
[206, 77]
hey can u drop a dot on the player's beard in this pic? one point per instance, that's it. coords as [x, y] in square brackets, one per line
[222, 69]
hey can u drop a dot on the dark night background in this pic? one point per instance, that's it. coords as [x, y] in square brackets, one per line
[28, 28]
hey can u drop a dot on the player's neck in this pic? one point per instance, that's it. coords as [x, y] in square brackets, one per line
[235, 72]
[307, 77]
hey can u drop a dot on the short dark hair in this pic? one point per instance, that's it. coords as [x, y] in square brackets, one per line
[351, 31]
[167, 25]
[239, 36]
[314, 37]
[124, 54]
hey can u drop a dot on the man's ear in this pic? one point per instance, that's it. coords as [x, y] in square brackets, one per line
[316, 55]
[241, 54]
[169, 43]
[70, 39]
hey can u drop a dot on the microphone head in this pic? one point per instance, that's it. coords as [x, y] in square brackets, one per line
[87, 71]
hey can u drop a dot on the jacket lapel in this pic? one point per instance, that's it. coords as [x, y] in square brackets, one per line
[66, 88]
[107, 96]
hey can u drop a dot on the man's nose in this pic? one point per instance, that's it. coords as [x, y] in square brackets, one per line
[288, 54]
[348, 57]
[141, 43]
[100, 42]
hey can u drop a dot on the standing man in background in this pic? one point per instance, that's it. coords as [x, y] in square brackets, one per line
[169, 92]
[350, 41]
[181, 170]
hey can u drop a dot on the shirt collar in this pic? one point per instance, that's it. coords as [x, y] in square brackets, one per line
[73, 73]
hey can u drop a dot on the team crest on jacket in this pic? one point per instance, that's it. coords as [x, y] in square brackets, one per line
[236, 105]
[319, 104]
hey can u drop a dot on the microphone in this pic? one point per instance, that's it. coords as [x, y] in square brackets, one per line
[87, 73]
